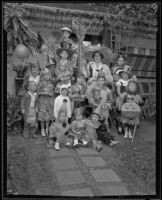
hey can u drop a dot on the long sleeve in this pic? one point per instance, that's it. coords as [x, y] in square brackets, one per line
[68, 105]
[108, 74]
[57, 104]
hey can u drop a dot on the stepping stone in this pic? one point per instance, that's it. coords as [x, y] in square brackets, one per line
[61, 153]
[78, 192]
[105, 175]
[70, 177]
[64, 163]
[114, 190]
[93, 161]
[87, 151]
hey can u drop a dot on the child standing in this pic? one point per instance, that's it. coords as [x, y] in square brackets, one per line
[130, 109]
[33, 76]
[29, 108]
[59, 101]
[45, 100]
[63, 70]
[59, 128]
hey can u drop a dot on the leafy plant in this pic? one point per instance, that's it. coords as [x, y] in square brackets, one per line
[14, 115]
[17, 30]
[20, 70]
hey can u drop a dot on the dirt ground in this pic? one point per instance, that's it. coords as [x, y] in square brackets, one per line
[28, 163]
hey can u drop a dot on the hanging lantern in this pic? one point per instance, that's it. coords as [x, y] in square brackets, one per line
[21, 51]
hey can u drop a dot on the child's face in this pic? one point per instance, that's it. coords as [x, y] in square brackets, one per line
[101, 82]
[95, 118]
[62, 116]
[125, 76]
[132, 87]
[78, 117]
[64, 91]
[64, 55]
[120, 61]
[32, 87]
[97, 57]
[47, 76]
[66, 34]
[116, 77]
[34, 71]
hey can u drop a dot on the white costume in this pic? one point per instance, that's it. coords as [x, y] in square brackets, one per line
[59, 101]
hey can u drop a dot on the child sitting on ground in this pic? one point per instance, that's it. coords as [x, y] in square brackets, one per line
[29, 108]
[78, 128]
[59, 100]
[58, 131]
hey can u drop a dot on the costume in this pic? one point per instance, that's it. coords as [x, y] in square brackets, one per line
[29, 103]
[93, 70]
[59, 101]
[45, 100]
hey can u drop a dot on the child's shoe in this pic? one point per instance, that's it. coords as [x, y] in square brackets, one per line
[130, 134]
[75, 142]
[43, 133]
[84, 142]
[113, 142]
[57, 146]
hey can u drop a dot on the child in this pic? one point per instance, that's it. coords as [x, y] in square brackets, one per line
[78, 128]
[91, 126]
[29, 108]
[45, 100]
[63, 70]
[77, 92]
[59, 128]
[130, 109]
[33, 76]
[59, 101]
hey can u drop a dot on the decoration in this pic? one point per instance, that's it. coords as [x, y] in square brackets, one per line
[21, 51]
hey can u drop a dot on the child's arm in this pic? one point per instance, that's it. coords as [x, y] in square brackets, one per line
[23, 103]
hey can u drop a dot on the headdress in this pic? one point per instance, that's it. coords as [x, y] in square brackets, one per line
[101, 74]
[62, 87]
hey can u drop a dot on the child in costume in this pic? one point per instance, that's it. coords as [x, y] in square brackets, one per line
[45, 100]
[91, 126]
[29, 108]
[63, 70]
[78, 92]
[77, 128]
[33, 76]
[101, 94]
[130, 109]
[59, 100]
[59, 129]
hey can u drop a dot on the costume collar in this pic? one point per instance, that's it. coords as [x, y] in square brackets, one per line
[32, 94]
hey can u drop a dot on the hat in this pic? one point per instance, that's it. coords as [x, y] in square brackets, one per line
[101, 74]
[63, 87]
[67, 49]
[124, 71]
[66, 29]
[117, 70]
[93, 55]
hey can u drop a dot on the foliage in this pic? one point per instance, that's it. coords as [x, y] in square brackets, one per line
[20, 69]
[14, 115]
[17, 30]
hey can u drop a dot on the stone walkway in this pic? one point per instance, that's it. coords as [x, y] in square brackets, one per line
[82, 172]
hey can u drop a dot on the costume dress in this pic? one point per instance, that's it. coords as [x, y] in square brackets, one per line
[29, 103]
[45, 101]
[59, 130]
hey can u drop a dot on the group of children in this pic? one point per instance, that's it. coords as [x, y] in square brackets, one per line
[72, 111]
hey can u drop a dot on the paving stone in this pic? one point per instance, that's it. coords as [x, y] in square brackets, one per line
[93, 161]
[70, 177]
[114, 190]
[62, 153]
[64, 163]
[87, 151]
[78, 192]
[105, 175]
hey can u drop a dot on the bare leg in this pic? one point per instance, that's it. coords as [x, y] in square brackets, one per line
[47, 127]
[42, 128]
